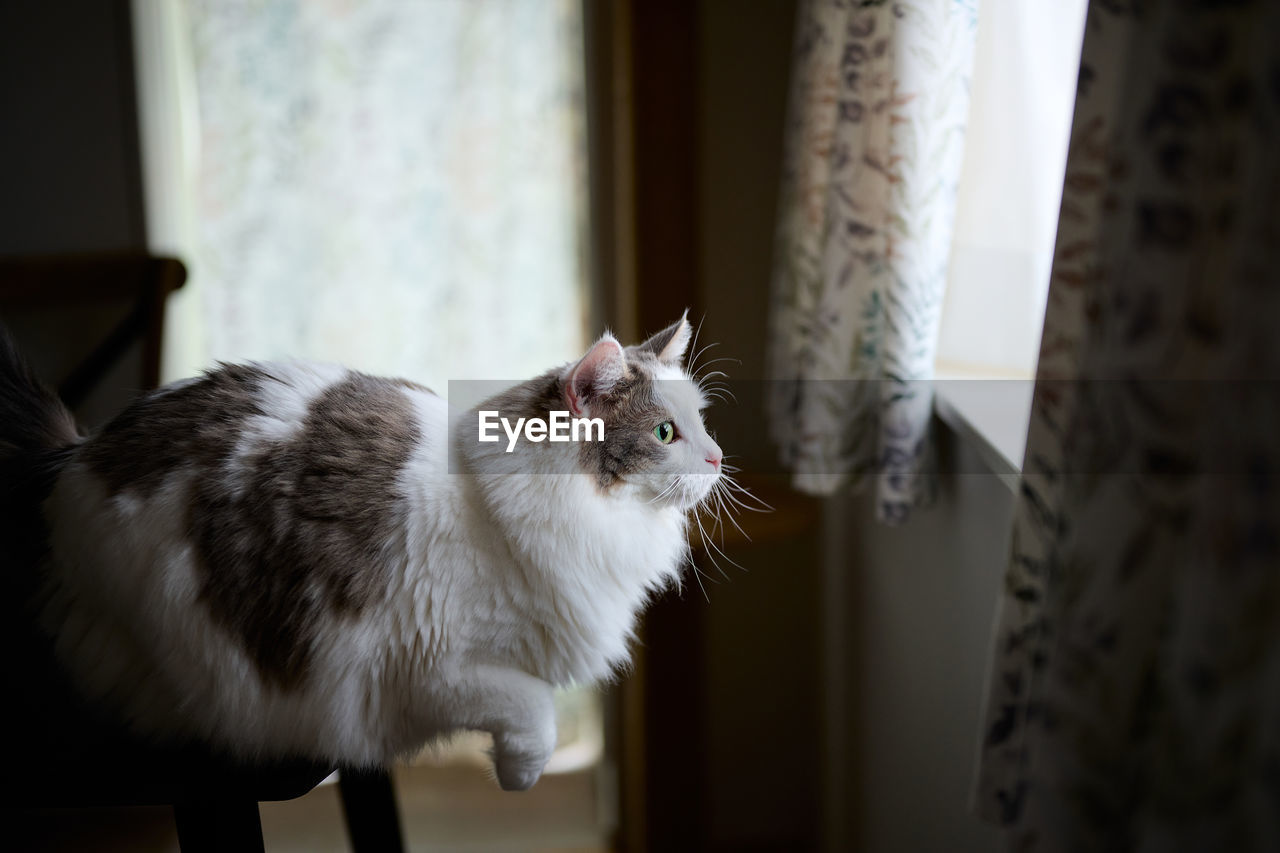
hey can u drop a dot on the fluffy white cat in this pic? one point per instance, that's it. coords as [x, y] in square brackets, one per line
[298, 560]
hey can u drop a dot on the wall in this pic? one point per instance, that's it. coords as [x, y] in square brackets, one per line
[69, 153]
[70, 168]
[918, 606]
[762, 643]
[744, 73]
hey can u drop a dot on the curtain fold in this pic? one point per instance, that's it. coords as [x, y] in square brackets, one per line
[875, 141]
[1134, 693]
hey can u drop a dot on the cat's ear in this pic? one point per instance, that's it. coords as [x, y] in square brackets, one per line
[594, 374]
[669, 344]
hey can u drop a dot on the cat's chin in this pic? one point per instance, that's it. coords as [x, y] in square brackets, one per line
[683, 494]
[700, 491]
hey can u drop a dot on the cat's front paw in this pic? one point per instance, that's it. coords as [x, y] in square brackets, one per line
[518, 759]
[516, 775]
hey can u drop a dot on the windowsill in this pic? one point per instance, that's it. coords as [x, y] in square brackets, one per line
[988, 411]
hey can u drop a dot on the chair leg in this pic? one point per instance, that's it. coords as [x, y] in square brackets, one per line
[369, 801]
[217, 826]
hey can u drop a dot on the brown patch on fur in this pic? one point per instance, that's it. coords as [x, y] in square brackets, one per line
[630, 412]
[194, 425]
[535, 399]
[303, 538]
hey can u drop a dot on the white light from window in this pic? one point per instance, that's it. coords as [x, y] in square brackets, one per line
[1024, 82]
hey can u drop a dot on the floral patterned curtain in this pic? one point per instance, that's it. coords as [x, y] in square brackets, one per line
[1134, 697]
[875, 143]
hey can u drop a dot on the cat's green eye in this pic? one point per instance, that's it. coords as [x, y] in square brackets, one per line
[665, 431]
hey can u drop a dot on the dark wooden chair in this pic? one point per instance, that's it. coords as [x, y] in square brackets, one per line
[65, 754]
[138, 283]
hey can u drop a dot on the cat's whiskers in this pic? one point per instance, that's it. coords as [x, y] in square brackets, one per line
[710, 543]
[706, 382]
[671, 487]
[706, 541]
[721, 493]
[711, 500]
[693, 362]
[713, 374]
[693, 345]
[733, 488]
[692, 561]
[719, 392]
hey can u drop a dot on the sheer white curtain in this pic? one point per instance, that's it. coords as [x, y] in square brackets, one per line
[397, 186]
[1024, 81]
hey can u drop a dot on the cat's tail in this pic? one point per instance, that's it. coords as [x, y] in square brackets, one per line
[32, 418]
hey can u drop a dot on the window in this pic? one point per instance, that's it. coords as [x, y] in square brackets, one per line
[399, 187]
[1023, 89]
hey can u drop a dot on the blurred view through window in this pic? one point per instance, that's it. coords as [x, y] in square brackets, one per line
[395, 186]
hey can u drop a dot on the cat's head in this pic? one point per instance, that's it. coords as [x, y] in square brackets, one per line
[655, 443]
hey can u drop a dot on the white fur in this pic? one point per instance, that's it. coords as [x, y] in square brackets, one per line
[503, 585]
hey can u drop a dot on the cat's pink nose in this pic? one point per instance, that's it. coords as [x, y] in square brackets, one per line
[714, 459]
